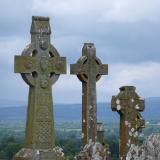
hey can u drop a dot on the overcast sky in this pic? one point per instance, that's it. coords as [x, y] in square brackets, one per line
[126, 34]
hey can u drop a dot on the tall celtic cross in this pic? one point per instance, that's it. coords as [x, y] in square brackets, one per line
[40, 66]
[129, 105]
[89, 70]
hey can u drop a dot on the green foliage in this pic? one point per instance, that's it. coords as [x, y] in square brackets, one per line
[8, 147]
[68, 136]
[113, 143]
[70, 147]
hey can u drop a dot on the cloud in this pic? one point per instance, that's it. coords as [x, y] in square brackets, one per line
[133, 11]
[109, 11]
[143, 75]
[68, 89]
[14, 15]
[122, 30]
[126, 35]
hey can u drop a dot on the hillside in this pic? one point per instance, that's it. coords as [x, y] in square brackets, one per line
[72, 112]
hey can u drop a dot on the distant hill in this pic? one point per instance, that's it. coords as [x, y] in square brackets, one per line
[72, 112]
[152, 110]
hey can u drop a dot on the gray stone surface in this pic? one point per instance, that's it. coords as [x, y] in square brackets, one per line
[149, 150]
[38, 154]
[93, 151]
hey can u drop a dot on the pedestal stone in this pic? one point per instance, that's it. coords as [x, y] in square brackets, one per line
[100, 133]
[40, 66]
[40, 154]
[92, 151]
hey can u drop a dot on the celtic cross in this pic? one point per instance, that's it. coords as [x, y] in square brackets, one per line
[40, 66]
[128, 104]
[89, 70]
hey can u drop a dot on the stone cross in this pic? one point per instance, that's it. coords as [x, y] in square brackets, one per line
[40, 66]
[89, 70]
[128, 104]
[100, 132]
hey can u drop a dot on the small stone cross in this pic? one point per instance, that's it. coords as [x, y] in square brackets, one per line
[128, 104]
[89, 70]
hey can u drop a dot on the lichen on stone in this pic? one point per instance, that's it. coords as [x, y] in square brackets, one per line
[149, 150]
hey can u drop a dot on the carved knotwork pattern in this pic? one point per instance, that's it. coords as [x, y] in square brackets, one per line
[44, 110]
[43, 132]
[44, 120]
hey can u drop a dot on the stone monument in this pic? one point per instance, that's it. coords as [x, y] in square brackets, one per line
[40, 66]
[89, 70]
[100, 132]
[149, 150]
[128, 104]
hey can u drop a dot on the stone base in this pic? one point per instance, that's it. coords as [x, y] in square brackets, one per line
[149, 150]
[83, 156]
[92, 151]
[35, 154]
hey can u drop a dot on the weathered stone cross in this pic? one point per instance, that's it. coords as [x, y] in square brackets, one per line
[40, 66]
[128, 104]
[89, 70]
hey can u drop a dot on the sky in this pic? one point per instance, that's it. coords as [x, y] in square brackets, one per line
[126, 34]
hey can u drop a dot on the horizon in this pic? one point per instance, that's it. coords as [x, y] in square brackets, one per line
[72, 112]
[17, 100]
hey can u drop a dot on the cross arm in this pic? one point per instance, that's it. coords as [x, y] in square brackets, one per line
[103, 69]
[77, 69]
[58, 65]
[24, 64]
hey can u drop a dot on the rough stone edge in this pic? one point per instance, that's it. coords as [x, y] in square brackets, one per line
[35, 154]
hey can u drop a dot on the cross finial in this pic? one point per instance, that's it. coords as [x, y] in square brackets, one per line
[88, 49]
[40, 25]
